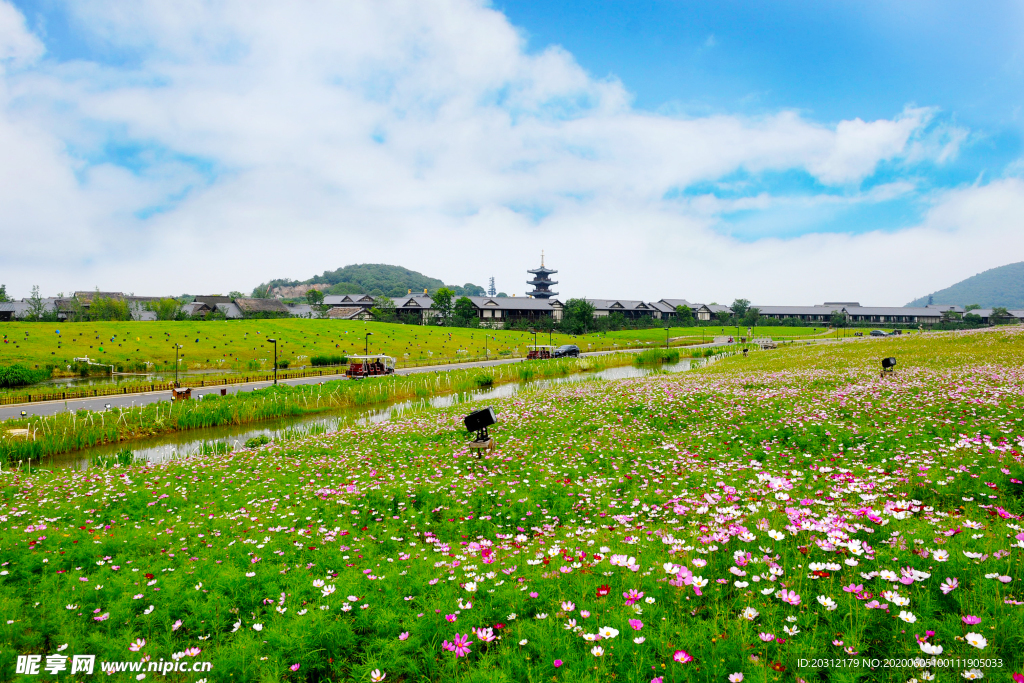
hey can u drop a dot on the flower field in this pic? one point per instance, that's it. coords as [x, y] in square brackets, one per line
[719, 525]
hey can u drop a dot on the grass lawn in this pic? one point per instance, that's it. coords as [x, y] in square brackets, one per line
[242, 344]
[786, 516]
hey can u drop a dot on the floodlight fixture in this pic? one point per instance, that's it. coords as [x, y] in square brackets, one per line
[888, 364]
[478, 421]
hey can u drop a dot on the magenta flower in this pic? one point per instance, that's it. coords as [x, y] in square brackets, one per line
[404, 635]
[971, 620]
[295, 667]
[789, 597]
[460, 645]
[558, 663]
[450, 618]
[682, 656]
[636, 624]
[766, 637]
[534, 594]
[854, 588]
[632, 596]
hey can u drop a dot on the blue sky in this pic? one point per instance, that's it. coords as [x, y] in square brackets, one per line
[723, 142]
[832, 61]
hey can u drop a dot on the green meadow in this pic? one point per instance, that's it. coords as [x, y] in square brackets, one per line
[239, 345]
[788, 516]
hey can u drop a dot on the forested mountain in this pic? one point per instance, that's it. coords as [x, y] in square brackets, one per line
[370, 278]
[1002, 286]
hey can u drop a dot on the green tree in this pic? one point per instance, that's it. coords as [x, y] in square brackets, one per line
[464, 312]
[165, 309]
[384, 309]
[105, 308]
[971, 307]
[972, 318]
[36, 305]
[998, 315]
[751, 317]
[3, 294]
[261, 292]
[578, 316]
[314, 297]
[685, 315]
[739, 307]
[838, 319]
[442, 303]
[950, 316]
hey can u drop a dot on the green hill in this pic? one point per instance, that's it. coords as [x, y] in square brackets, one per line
[376, 279]
[1002, 286]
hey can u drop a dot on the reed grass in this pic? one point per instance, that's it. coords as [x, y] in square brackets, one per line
[73, 431]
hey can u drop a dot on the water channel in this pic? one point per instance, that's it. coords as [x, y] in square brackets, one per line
[231, 437]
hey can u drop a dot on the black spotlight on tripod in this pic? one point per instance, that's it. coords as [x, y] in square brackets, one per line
[888, 364]
[478, 421]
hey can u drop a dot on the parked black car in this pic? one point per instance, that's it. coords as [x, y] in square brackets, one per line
[878, 333]
[566, 351]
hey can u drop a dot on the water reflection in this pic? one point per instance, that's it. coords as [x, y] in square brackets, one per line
[179, 444]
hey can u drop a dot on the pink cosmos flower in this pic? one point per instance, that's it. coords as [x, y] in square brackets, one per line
[404, 635]
[970, 620]
[460, 645]
[854, 588]
[659, 679]
[558, 663]
[295, 667]
[632, 596]
[450, 618]
[682, 656]
[766, 637]
[584, 613]
[137, 645]
[837, 643]
[176, 625]
[636, 624]
[789, 597]
[949, 585]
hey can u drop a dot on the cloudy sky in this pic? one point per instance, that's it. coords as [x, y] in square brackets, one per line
[784, 152]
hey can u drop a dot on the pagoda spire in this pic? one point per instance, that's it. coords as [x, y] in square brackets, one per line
[542, 281]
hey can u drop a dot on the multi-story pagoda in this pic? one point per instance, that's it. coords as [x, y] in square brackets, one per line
[541, 281]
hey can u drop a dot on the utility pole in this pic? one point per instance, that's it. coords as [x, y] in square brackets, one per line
[366, 344]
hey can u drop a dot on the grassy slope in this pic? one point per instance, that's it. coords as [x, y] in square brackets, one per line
[231, 344]
[347, 551]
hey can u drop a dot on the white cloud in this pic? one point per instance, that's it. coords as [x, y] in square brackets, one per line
[286, 139]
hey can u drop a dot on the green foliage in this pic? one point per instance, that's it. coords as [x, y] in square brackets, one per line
[165, 309]
[1002, 286]
[739, 307]
[384, 310]
[105, 308]
[314, 297]
[577, 316]
[19, 376]
[442, 303]
[257, 441]
[318, 361]
[464, 313]
[655, 356]
[684, 315]
[261, 292]
[3, 294]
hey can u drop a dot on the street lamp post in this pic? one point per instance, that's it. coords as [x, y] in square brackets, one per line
[366, 344]
[274, 342]
[176, 363]
[666, 336]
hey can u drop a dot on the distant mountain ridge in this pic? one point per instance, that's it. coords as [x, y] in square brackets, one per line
[1002, 286]
[377, 279]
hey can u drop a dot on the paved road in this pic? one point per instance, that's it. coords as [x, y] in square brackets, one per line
[128, 400]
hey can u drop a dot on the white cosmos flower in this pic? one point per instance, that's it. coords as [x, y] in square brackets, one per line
[607, 632]
[639, 639]
[597, 650]
[930, 649]
[977, 640]
[907, 616]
